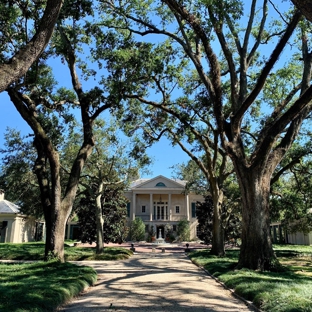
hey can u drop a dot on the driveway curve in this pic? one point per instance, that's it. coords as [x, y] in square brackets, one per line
[154, 282]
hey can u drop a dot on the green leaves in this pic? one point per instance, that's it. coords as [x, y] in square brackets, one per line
[114, 213]
[137, 230]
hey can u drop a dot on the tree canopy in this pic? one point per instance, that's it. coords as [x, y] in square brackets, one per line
[207, 74]
[231, 51]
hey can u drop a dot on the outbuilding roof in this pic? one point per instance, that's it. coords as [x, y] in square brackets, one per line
[8, 207]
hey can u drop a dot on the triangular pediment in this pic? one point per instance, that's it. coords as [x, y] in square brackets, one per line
[159, 182]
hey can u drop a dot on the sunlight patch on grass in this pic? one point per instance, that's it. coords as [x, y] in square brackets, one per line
[42, 286]
[22, 290]
[35, 251]
[288, 291]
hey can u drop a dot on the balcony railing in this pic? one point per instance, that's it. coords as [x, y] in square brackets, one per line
[146, 217]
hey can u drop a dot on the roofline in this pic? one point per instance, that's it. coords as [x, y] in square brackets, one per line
[159, 176]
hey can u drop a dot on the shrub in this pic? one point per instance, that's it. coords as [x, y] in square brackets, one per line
[183, 230]
[137, 230]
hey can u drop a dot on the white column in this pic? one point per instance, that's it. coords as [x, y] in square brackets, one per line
[187, 207]
[132, 208]
[11, 229]
[151, 207]
[44, 236]
[169, 206]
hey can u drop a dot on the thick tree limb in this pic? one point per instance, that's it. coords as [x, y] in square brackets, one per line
[19, 64]
[266, 70]
[215, 73]
[289, 166]
[305, 6]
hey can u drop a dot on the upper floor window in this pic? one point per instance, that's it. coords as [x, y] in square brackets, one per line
[143, 209]
[177, 209]
[161, 184]
[193, 210]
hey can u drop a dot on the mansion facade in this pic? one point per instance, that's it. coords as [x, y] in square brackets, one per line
[162, 202]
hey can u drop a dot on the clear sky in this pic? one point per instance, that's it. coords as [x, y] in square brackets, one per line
[163, 154]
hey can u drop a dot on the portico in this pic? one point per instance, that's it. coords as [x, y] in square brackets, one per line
[160, 201]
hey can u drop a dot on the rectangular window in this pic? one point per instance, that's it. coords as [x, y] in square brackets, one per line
[162, 212]
[174, 227]
[177, 209]
[128, 210]
[193, 210]
[143, 209]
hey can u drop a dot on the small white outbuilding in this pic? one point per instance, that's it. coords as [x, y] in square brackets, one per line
[16, 227]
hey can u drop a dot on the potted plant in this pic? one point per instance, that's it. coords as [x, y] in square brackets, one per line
[169, 237]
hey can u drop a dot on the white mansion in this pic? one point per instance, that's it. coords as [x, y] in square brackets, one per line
[161, 201]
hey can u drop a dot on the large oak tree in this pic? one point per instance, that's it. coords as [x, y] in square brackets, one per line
[255, 167]
[39, 104]
[235, 51]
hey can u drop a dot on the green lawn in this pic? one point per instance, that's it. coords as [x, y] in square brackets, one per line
[43, 286]
[286, 291]
[35, 251]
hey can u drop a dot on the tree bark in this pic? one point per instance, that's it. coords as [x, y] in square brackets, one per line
[19, 64]
[217, 246]
[305, 6]
[55, 232]
[99, 221]
[256, 251]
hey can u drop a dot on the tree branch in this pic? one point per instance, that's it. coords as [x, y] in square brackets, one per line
[19, 64]
[236, 120]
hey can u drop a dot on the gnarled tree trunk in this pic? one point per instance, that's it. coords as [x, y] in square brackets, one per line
[55, 232]
[256, 250]
[217, 247]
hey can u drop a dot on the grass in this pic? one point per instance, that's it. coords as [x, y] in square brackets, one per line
[35, 251]
[287, 291]
[43, 286]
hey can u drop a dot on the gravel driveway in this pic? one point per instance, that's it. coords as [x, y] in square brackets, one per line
[154, 282]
